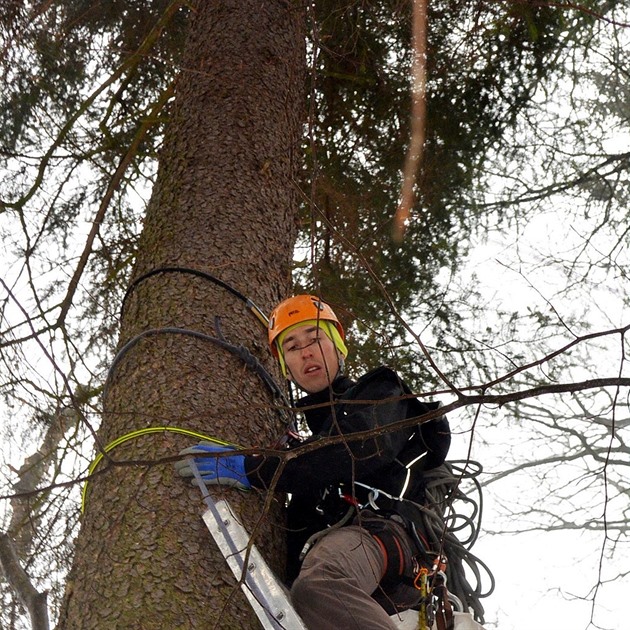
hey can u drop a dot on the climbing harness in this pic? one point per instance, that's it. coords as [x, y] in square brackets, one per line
[433, 527]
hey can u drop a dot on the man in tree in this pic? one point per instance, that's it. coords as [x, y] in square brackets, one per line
[353, 548]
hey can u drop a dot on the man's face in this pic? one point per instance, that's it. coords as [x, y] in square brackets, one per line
[311, 358]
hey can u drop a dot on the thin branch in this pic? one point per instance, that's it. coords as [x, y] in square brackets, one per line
[32, 472]
[523, 368]
[102, 209]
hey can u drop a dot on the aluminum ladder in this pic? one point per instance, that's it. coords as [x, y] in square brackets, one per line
[264, 593]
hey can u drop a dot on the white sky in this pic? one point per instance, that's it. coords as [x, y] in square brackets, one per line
[544, 579]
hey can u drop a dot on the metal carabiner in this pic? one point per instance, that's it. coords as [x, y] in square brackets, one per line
[374, 492]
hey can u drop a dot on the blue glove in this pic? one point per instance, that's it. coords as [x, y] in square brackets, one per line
[223, 471]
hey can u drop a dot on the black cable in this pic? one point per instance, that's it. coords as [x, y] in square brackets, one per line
[441, 521]
[244, 354]
[260, 316]
[240, 351]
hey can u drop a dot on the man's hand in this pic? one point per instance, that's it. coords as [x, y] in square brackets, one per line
[223, 471]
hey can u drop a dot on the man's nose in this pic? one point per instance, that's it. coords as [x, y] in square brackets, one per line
[307, 351]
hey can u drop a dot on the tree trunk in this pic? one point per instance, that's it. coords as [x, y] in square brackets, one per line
[224, 203]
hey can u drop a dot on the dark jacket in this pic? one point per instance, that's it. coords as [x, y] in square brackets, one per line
[323, 482]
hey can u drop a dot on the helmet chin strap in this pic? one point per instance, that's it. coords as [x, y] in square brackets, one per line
[342, 364]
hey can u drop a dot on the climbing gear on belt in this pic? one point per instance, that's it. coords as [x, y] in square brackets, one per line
[435, 605]
[443, 610]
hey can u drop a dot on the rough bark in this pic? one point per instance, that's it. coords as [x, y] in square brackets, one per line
[224, 203]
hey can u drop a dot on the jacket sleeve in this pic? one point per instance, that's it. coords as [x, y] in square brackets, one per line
[377, 400]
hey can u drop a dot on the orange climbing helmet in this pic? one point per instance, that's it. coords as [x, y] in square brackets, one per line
[297, 309]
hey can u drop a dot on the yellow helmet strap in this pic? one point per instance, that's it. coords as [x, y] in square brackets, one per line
[331, 332]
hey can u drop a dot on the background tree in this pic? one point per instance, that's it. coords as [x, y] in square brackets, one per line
[71, 158]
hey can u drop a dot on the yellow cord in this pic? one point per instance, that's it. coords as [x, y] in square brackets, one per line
[424, 592]
[134, 434]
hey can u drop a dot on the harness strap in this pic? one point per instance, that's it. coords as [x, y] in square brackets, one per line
[444, 618]
[392, 551]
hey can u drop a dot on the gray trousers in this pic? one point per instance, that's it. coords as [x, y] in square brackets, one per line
[338, 585]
